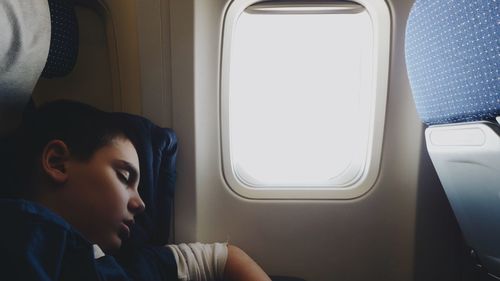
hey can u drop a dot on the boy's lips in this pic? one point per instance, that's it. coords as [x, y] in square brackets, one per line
[124, 231]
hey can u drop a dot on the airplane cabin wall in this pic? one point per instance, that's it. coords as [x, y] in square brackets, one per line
[402, 229]
[107, 73]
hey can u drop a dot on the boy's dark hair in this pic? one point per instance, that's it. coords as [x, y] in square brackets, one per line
[82, 128]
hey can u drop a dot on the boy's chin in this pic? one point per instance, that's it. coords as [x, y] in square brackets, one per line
[111, 245]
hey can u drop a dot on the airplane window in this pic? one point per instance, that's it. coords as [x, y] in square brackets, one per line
[297, 97]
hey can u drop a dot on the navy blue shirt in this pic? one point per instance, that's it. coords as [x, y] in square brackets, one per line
[37, 244]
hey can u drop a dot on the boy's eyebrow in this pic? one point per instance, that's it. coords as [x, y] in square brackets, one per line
[134, 172]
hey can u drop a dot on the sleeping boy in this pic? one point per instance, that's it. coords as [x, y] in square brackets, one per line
[75, 198]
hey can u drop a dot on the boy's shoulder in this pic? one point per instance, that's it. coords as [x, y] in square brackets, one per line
[31, 229]
[37, 244]
[22, 212]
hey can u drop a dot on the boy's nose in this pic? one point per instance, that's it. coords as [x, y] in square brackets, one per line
[136, 205]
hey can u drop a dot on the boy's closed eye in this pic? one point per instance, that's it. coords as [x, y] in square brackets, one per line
[126, 172]
[123, 175]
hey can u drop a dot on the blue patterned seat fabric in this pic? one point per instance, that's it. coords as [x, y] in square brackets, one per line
[64, 42]
[452, 56]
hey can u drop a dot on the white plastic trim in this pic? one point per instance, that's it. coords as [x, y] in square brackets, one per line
[381, 23]
[466, 158]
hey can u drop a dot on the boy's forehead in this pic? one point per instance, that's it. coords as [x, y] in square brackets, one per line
[122, 149]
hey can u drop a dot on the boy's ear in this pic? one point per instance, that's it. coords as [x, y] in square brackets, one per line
[55, 157]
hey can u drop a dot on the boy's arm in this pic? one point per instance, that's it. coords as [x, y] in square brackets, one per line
[240, 267]
[217, 261]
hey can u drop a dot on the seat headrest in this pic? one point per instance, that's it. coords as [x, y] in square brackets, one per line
[39, 38]
[452, 55]
[63, 50]
[24, 45]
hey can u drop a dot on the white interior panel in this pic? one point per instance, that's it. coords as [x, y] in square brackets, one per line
[91, 79]
[466, 157]
[106, 73]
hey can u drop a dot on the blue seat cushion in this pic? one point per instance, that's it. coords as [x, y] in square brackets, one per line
[452, 55]
[64, 41]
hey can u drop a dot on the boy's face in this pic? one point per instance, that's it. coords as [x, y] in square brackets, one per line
[101, 193]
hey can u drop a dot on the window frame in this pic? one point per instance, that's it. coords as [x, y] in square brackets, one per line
[381, 24]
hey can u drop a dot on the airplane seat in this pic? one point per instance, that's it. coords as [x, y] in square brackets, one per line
[452, 54]
[63, 50]
[24, 45]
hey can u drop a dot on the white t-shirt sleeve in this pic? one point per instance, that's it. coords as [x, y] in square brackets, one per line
[200, 262]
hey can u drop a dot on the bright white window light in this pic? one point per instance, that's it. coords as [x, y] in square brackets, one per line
[303, 92]
[297, 108]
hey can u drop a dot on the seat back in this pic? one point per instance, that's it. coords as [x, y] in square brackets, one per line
[452, 53]
[24, 45]
[39, 38]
